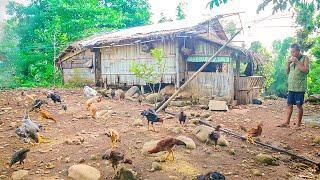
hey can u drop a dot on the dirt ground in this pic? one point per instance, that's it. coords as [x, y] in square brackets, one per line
[53, 159]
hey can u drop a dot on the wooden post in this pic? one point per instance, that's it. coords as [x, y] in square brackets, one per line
[177, 65]
[199, 70]
[237, 93]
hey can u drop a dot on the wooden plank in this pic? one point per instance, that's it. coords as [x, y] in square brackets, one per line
[177, 64]
[72, 55]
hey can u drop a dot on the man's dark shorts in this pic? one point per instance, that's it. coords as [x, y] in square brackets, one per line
[295, 98]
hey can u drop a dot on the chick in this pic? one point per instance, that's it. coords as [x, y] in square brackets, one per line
[140, 99]
[211, 176]
[19, 156]
[214, 136]
[37, 104]
[47, 115]
[253, 132]
[113, 93]
[114, 157]
[182, 117]
[65, 108]
[93, 110]
[114, 136]
[122, 96]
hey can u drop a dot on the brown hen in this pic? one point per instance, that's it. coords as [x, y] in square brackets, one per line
[253, 132]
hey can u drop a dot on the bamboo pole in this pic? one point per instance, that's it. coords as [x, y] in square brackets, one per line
[267, 145]
[199, 70]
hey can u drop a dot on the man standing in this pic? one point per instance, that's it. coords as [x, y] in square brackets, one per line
[297, 70]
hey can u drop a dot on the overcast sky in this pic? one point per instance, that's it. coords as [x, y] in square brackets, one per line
[265, 31]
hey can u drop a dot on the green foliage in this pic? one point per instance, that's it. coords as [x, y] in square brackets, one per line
[216, 3]
[163, 18]
[313, 78]
[36, 27]
[280, 49]
[181, 10]
[150, 73]
[231, 28]
[267, 70]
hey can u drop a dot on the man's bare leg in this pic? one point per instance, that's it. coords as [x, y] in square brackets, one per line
[300, 113]
[288, 117]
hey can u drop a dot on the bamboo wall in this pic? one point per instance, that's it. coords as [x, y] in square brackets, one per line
[115, 63]
[74, 69]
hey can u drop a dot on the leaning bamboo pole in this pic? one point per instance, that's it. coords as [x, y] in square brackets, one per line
[197, 72]
[317, 164]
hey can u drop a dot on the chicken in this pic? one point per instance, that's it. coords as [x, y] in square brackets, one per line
[182, 117]
[152, 117]
[64, 107]
[214, 136]
[113, 93]
[33, 126]
[19, 156]
[166, 97]
[211, 176]
[93, 100]
[114, 136]
[93, 110]
[47, 115]
[140, 99]
[166, 145]
[114, 157]
[30, 129]
[122, 96]
[54, 96]
[37, 104]
[253, 132]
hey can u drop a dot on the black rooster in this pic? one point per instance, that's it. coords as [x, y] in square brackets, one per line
[54, 96]
[182, 117]
[215, 135]
[152, 117]
[19, 156]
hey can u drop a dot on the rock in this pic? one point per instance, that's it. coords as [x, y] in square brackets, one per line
[148, 146]
[118, 92]
[173, 178]
[202, 132]
[20, 174]
[218, 105]
[89, 92]
[152, 98]
[223, 142]
[178, 103]
[13, 124]
[256, 172]
[50, 166]
[125, 174]
[204, 101]
[189, 142]
[93, 157]
[316, 140]
[67, 159]
[273, 97]
[82, 160]
[133, 90]
[168, 90]
[3, 177]
[68, 142]
[205, 115]
[83, 172]
[156, 166]
[232, 152]
[265, 159]
[138, 122]
[176, 130]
